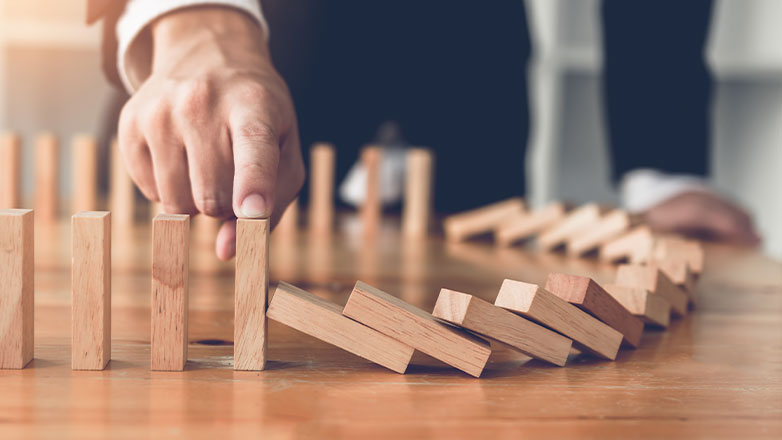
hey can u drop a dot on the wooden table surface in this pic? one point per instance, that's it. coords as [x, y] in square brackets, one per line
[715, 374]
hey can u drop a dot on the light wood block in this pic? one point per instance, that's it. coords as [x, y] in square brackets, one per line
[411, 325]
[651, 278]
[674, 248]
[289, 222]
[608, 227]
[16, 288]
[578, 219]
[634, 246]
[524, 226]
[170, 263]
[482, 317]
[533, 302]
[417, 210]
[123, 193]
[91, 290]
[585, 293]
[84, 154]
[323, 320]
[251, 293]
[680, 274]
[47, 174]
[482, 220]
[322, 171]
[10, 165]
[372, 208]
[652, 309]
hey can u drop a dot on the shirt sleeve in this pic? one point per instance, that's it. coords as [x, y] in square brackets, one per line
[644, 188]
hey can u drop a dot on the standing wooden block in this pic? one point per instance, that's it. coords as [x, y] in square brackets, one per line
[651, 278]
[91, 289]
[321, 207]
[321, 319]
[123, 194]
[588, 333]
[590, 297]
[85, 173]
[47, 161]
[610, 226]
[634, 246]
[525, 226]
[170, 263]
[652, 309]
[412, 326]
[572, 223]
[482, 220]
[251, 293]
[16, 288]
[10, 164]
[372, 209]
[289, 222]
[418, 193]
[499, 324]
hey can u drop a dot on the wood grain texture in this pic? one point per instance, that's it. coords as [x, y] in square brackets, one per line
[652, 309]
[170, 265]
[91, 291]
[372, 208]
[526, 225]
[494, 322]
[411, 325]
[651, 278]
[321, 203]
[608, 227]
[16, 288]
[417, 208]
[675, 248]
[533, 302]
[482, 220]
[84, 166]
[634, 246]
[10, 165]
[324, 320]
[585, 293]
[572, 223]
[122, 197]
[251, 294]
[47, 175]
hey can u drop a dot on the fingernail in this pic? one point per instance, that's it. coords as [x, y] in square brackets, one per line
[253, 206]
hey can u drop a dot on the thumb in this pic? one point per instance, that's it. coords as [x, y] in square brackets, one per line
[256, 154]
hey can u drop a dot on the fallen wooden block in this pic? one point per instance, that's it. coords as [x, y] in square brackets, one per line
[47, 162]
[651, 278]
[10, 166]
[91, 289]
[251, 293]
[674, 248]
[84, 154]
[499, 324]
[321, 319]
[634, 246]
[588, 333]
[590, 297]
[321, 204]
[608, 227]
[417, 208]
[482, 220]
[526, 225]
[575, 221]
[652, 309]
[372, 208]
[680, 274]
[16, 288]
[411, 325]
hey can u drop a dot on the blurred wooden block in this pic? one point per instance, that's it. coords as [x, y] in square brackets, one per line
[482, 220]
[652, 309]
[526, 225]
[412, 326]
[323, 320]
[416, 212]
[91, 289]
[123, 193]
[590, 297]
[634, 246]
[494, 322]
[588, 333]
[651, 278]
[572, 223]
[372, 208]
[251, 293]
[84, 155]
[170, 264]
[10, 166]
[289, 222]
[321, 205]
[674, 248]
[47, 163]
[610, 226]
[16, 288]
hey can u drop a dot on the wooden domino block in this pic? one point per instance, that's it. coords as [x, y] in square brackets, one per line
[674, 248]
[609, 226]
[372, 208]
[289, 222]
[526, 225]
[416, 212]
[84, 154]
[588, 333]
[16, 288]
[411, 325]
[170, 263]
[321, 205]
[575, 221]
[590, 297]
[634, 246]
[321, 319]
[47, 162]
[680, 274]
[651, 278]
[650, 308]
[91, 290]
[123, 195]
[251, 293]
[499, 324]
[482, 220]
[10, 164]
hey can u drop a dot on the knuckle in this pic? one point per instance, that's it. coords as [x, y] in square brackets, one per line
[156, 116]
[193, 100]
[210, 205]
[178, 208]
[256, 132]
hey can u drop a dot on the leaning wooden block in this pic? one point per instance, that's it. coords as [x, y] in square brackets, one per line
[170, 263]
[10, 165]
[321, 319]
[499, 324]
[572, 223]
[482, 220]
[524, 226]
[251, 293]
[674, 248]
[652, 309]
[650, 277]
[590, 297]
[634, 246]
[610, 226]
[91, 289]
[680, 274]
[412, 326]
[16, 288]
[588, 333]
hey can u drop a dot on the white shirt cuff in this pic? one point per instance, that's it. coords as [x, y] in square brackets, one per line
[644, 188]
[139, 13]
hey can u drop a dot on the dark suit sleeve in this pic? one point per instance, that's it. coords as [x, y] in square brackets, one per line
[657, 86]
[109, 11]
